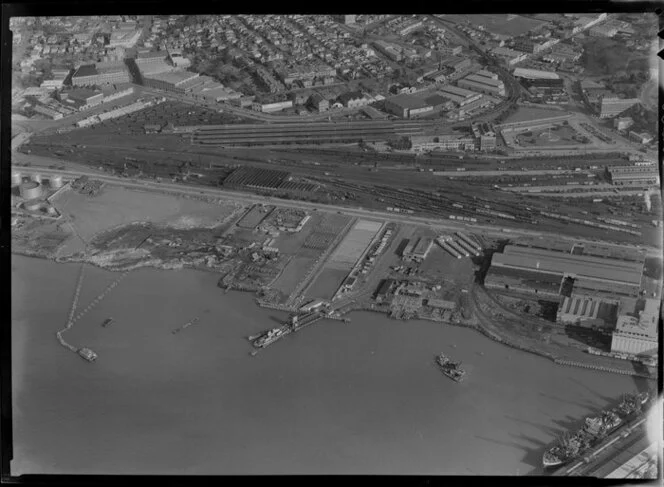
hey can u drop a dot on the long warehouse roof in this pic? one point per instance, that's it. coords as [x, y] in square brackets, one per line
[561, 263]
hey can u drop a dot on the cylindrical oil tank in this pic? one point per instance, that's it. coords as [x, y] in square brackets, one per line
[55, 182]
[30, 190]
[33, 205]
[36, 177]
[17, 178]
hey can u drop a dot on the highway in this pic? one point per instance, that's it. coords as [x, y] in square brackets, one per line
[441, 225]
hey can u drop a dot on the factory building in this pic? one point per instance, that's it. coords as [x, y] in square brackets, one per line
[48, 112]
[483, 84]
[459, 96]
[588, 310]
[271, 107]
[547, 271]
[636, 328]
[457, 63]
[175, 81]
[508, 56]
[101, 74]
[419, 251]
[485, 136]
[641, 138]
[438, 76]
[622, 123]
[86, 98]
[319, 103]
[635, 175]
[407, 106]
[612, 106]
[450, 50]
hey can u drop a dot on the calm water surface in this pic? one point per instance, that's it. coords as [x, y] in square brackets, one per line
[358, 398]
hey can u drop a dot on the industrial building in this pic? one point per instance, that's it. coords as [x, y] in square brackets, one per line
[623, 123]
[535, 124]
[589, 311]
[641, 138]
[460, 96]
[547, 271]
[508, 56]
[101, 74]
[407, 106]
[636, 328]
[271, 107]
[612, 106]
[319, 103]
[482, 84]
[418, 252]
[635, 175]
[457, 63]
[175, 81]
[85, 97]
[485, 136]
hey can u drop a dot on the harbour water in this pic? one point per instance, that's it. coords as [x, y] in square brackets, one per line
[358, 398]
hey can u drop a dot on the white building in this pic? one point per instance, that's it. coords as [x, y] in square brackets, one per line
[636, 332]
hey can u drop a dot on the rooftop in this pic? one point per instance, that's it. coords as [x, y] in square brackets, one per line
[553, 262]
[173, 77]
[455, 90]
[85, 70]
[408, 101]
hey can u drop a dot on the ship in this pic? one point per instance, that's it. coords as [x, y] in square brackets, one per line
[87, 354]
[107, 322]
[270, 336]
[568, 448]
[608, 419]
[595, 429]
[451, 369]
[632, 403]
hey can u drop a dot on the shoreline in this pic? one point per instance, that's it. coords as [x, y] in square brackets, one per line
[558, 360]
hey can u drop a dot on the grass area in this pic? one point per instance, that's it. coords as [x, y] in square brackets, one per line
[606, 57]
[527, 113]
[327, 283]
[292, 274]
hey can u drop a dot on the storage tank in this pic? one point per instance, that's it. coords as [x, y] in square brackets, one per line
[55, 182]
[30, 190]
[36, 177]
[33, 205]
[17, 178]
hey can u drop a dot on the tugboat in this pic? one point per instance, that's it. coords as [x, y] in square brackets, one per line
[451, 369]
[107, 322]
[87, 354]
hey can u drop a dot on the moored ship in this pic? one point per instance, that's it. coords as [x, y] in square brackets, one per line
[570, 447]
[271, 336]
[451, 369]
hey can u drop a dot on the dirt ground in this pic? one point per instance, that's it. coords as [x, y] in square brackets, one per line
[116, 206]
[327, 283]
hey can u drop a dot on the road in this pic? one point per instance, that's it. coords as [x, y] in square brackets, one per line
[438, 225]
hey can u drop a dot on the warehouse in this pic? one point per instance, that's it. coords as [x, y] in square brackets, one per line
[407, 106]
[593, 274]
[100, 74]
[459, 95]
[481, 84]
[419, 251]
[176, 81]
[85, 97]
[633, 175]
[588, 310]
[612, 106]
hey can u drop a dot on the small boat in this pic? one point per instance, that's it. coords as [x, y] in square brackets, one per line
[107, 322]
